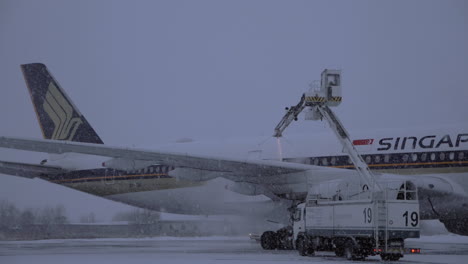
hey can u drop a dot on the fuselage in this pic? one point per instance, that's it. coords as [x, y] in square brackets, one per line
[435, 156]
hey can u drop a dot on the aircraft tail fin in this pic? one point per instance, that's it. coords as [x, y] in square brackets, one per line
[58, 117]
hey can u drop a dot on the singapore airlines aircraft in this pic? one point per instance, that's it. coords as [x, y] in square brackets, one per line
[236, 176]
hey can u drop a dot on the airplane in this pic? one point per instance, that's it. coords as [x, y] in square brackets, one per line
[238, 176]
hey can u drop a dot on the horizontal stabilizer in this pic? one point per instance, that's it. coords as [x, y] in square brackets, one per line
[27, 170]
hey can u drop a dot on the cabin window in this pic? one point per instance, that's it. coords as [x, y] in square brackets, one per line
[316, 162]
[377, 158]
[368, 159]
[414, 157]
[405, 158]
[423, 157]
[461, 155]
[333, 161]
[387, 158]
[433, 156]
[451, 155]
[442, 156]
[324, 162]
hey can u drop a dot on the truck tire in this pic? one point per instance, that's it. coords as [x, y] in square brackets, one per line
[339, 252]
[268, 240]
[303, 247]
[390, 257]
[284, 237]
[350, 251]
[395, 257]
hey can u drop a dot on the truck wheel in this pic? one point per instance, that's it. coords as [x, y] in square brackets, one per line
[268, 240]
[390, 257]
[301, 246]
[339, 252]
[350, 251]
[284, 238]
[385, 257]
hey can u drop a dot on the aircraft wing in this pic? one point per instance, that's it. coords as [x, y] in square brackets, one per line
[27, 170]
[245, 168]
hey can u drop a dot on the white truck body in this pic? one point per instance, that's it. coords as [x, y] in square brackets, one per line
[377, 224]
[330, 218]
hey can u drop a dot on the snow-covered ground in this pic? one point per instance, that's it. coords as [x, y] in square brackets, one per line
[435, 249]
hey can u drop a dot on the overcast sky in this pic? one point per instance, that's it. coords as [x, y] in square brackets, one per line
[151, 72]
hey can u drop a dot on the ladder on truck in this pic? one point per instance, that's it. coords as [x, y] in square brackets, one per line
[317, 104]
[382, 222]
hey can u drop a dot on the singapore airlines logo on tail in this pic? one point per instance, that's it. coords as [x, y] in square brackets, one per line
[60, 112]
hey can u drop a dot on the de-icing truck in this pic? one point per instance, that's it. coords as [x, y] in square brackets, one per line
[355, 219]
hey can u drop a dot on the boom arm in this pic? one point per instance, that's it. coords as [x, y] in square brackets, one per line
[290, 115]
[318, 103]
[343, 136]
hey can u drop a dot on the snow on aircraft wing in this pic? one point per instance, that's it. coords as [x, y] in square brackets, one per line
[239, 167]
[28, 170]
